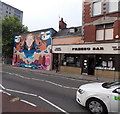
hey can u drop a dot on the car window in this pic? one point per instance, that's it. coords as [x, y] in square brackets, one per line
[110, 84]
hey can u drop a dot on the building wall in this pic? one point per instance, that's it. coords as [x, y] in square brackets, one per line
[33, 50]
[107, 74]
[67, 40]
[74, 70]
[90, 22]
[0, 10]
[8, 10]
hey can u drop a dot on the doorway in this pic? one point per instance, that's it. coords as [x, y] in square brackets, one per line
[88, 64]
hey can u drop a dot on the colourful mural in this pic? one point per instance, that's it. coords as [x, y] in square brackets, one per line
[33, 50]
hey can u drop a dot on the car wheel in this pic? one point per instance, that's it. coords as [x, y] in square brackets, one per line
[96, 106]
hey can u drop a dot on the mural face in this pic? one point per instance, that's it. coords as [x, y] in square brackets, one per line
[33, 50]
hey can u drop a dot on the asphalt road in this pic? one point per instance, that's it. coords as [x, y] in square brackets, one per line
[49, 91]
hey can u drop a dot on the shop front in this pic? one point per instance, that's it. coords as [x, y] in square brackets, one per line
[99, 59]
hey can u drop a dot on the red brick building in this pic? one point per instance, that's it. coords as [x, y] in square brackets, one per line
[101, 33]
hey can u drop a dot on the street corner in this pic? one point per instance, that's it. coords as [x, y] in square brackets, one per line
[15, 104]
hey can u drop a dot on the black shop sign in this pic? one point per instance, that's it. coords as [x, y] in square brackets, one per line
[87, 48]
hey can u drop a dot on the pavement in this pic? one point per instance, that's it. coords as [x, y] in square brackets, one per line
[70, 75]
[14, 104]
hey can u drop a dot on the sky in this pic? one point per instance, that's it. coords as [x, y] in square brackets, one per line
[43, 14]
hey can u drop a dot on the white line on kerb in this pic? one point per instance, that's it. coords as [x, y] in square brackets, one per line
[28, 103]
[2, 86]
[53, 105]
[22, 92]
[7, 93]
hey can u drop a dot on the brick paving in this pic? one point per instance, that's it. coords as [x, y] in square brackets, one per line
[13, 104]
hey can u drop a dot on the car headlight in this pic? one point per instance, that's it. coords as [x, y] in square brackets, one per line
[81, 91]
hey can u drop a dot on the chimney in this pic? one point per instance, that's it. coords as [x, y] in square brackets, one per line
[62, 24]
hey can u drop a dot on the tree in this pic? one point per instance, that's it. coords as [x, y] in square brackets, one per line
[11, 27]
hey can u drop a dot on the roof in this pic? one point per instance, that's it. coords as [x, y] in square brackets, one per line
[42, 30]
[69, 32]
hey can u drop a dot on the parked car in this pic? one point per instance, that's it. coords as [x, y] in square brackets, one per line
[100, 98]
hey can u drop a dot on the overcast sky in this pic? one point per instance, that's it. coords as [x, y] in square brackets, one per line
[42, 14]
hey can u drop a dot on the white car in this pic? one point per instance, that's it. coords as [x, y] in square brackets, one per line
[100, 98]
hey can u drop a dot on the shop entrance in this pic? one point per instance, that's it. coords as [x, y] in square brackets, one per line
[88, 64]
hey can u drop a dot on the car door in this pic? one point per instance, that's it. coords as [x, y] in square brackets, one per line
[115, 100]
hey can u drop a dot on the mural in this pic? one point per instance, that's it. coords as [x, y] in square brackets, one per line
[33, 50]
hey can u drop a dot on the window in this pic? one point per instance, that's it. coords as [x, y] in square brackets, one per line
[113, 6]
[109, 34]
[70, 60]
[97, 8]
[105, 62]
[99, 34]
[104, 32]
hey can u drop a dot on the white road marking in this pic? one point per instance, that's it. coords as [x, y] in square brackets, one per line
[53, 105]
[1, 91]
[59, 85]
[22, 92]
[2, 86]
[34, 96]
[28, 103]
[7, 93]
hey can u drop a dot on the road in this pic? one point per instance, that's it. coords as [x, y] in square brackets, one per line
[49, 91]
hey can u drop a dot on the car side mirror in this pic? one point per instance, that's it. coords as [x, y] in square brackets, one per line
[117, 91]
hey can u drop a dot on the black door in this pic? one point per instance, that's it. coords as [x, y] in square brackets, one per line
[91, 64]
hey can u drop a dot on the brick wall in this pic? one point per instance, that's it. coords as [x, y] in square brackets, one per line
[68, 40]
[89, 24]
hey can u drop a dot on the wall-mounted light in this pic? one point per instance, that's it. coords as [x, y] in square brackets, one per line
[100, 57]
[110, 58]
[117, 36]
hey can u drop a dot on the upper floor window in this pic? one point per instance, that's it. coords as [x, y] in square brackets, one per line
[97, 8]
[113, 5]
[104, 32]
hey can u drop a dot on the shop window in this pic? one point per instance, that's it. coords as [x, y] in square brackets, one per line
[113, 6]
[71, 60]
[105, 62]
[104, 32]
[97, 8]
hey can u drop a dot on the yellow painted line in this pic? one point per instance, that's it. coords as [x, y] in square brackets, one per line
[15, 99]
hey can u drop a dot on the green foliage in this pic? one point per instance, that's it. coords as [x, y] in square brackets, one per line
[11, 26]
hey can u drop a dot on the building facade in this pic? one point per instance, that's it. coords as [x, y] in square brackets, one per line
[63, 44]
[33, 49]
[101, 33]
[8, 10]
